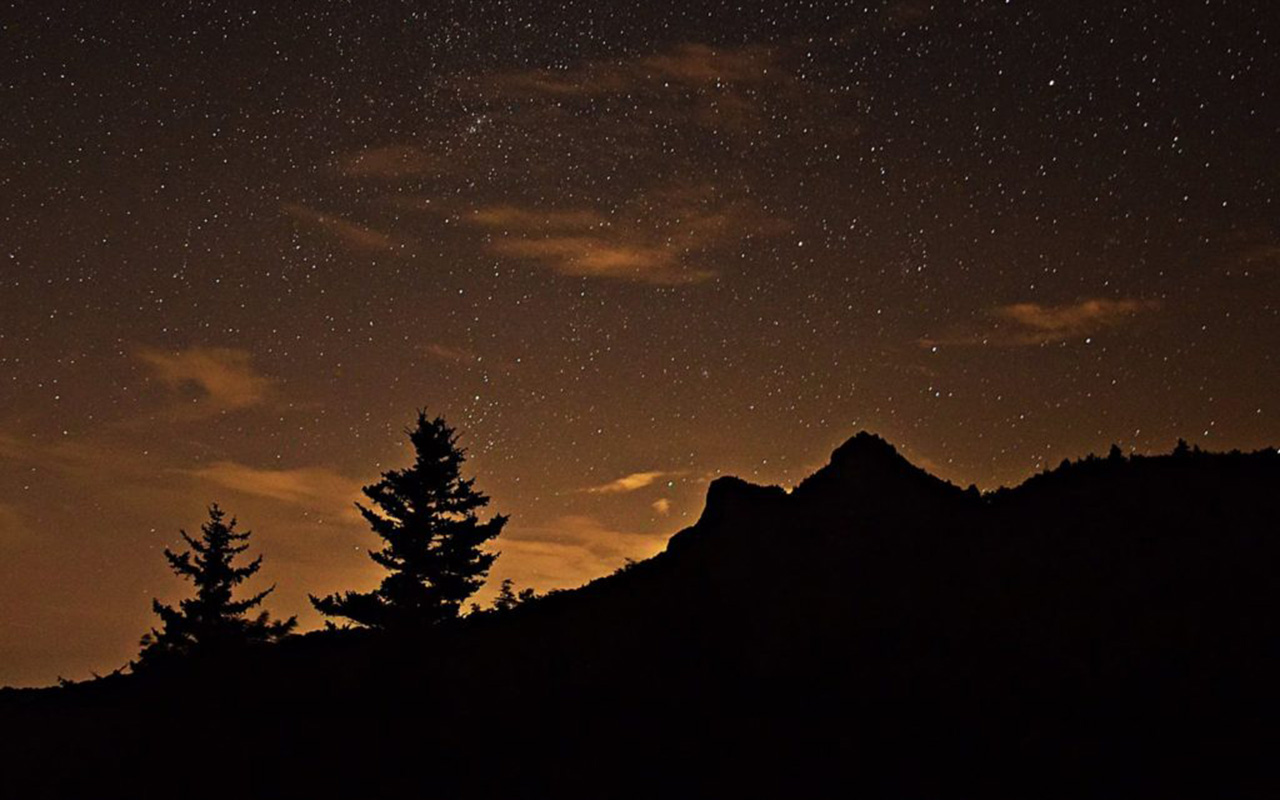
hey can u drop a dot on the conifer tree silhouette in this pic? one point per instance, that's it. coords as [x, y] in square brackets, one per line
[508, 598]
[211, 621]
[426, 516]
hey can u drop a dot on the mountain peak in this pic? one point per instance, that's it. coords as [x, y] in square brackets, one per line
[863, 473]
[866, 478]
[865, 447]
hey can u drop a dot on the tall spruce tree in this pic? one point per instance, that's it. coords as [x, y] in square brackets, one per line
[427, 518]
[212, 621]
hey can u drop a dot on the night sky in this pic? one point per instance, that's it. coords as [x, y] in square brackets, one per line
[623, 248]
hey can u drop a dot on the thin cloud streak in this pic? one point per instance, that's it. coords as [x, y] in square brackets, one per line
[351, 234]
[594, 257]
[528, 219]
[1031, 324]
[629, 483]
[688, 65]
[452, 355]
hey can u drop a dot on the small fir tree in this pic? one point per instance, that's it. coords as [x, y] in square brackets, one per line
[508, 598]
[212, 621]
[432, 538]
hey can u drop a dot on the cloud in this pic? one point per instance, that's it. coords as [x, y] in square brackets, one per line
[313, 487]
[391, 161]
[1025, 324]
[726, 89]
[686, 66]
[81, 457]
[676, 206]
[529, 219]
[351, 234]
[656, 237]
[628, 483]
[1067, 320]
[662, 506]
[453, 355]
[224, 376]
[570, 551]
[461, 356]
[676, 209]
[595, 257]
[906, 14]
[698, 64]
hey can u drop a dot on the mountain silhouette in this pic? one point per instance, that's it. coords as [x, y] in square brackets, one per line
[1106, 628]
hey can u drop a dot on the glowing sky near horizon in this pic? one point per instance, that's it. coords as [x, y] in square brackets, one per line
[623, 248]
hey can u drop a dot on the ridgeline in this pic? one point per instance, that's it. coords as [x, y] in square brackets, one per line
[1107, 628]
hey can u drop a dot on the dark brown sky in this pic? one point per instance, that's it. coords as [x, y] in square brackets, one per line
[623, 249]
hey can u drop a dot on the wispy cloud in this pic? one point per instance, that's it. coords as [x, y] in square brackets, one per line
[722, 88]
[687, 65]
[570, 551]
[508, 217]
[580, 242]
[677, 221]
[594, 257]
[1071, 320]
[453, 355]
[225, 377]
[662, 506]
[1026, 324]
[905, 14]
[465, 357]
[81, 457]
[629, 483]
[351, 234]
[314, 487]
[683, 218]
[659, 237]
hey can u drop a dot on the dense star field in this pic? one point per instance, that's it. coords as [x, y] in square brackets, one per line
[623, 248]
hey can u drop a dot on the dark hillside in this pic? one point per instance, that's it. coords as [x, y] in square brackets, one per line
[1105, 629]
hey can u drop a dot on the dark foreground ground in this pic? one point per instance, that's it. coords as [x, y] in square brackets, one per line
[1105, 630]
